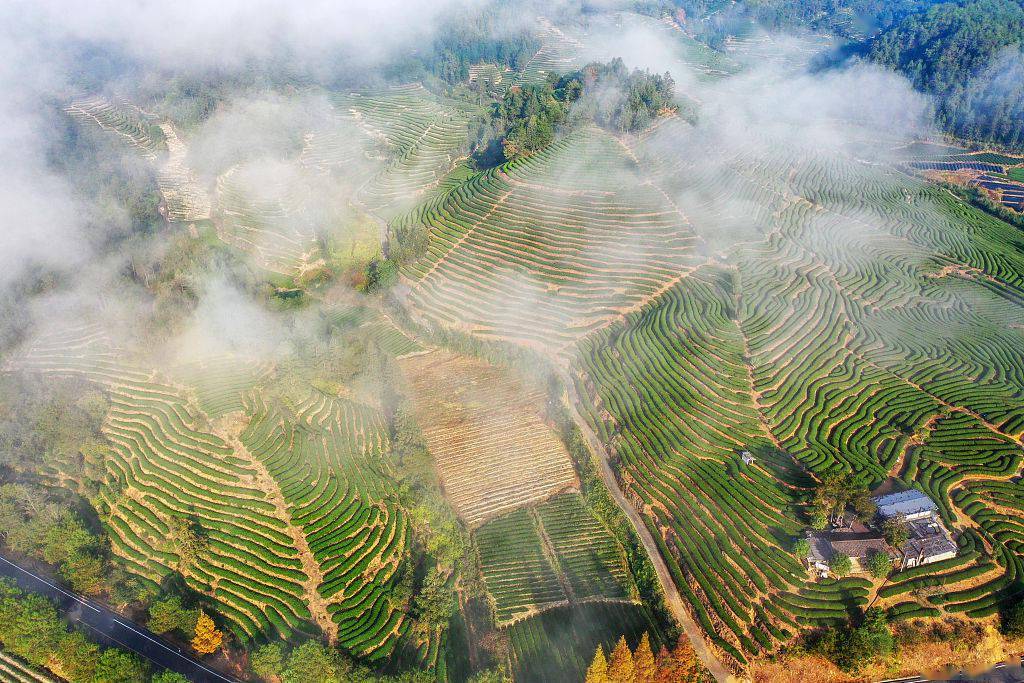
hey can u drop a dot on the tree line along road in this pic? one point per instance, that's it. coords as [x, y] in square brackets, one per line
[109, 628]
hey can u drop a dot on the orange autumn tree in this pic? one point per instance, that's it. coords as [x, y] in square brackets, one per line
[678, 666]
[644, 666]
[208, 637]
[598, 671]
[620, 666]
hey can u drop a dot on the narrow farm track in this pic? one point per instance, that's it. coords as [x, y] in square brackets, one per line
[549, 552]
[672, 597]
[230, 428]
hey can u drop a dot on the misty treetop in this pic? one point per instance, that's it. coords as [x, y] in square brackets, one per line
[529, 117]
[619, 99]
[491, 34]
[969, 55]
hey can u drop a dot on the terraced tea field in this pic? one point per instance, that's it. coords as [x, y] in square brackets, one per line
[559, 53]
[271, 219]
[139, 129]
[485, 433]
[185, 199]
[825, 313]
[816, 303]
[220, 383]
[545, 250]
[421, 135]
[294, 496]
[809, 343]
[13, 670]
[324, 454]
[394, 145]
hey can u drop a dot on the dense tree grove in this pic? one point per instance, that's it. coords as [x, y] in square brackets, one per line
[896, 531]
[967, 54]
[835, 494]
[1012, 621]
[879, 564]
[53, 424]
[119, 189]
[168, 614]
[36, 523]
[855, 645]
[841, 565]
[714, 20]
[529, 117]
[314, 662]
[487, 34]
[30, 628]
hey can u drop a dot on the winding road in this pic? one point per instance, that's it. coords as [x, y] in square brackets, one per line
[109, 628]
[672, 597]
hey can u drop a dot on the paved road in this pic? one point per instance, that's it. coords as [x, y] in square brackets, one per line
[1000, 673]
[109, 628]
[672, 597]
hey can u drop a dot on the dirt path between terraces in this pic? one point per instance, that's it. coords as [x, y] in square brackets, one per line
[229, 427]
[672, 597]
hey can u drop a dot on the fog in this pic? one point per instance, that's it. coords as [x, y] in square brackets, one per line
[767, 164]
[760, 108]
[196, 35]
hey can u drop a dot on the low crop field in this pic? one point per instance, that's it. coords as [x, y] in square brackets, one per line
[484, 429]
[555, 553]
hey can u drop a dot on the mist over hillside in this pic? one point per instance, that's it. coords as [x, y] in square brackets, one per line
[479, 341]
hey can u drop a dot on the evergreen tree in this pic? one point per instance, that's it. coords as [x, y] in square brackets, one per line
[168, 677]
[187, 539]
[879, 564]
[841, 565]
[77, 657]
[311, 662]
[118, 666]
[268, 661]
[896, 531]
[678, 666]
[1011, 621]
[168, 614]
